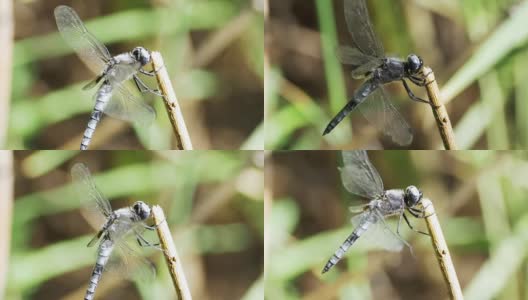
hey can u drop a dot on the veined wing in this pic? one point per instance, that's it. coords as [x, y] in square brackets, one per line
[382, 114]
[378, 234]
[359, 26]
[91, 198]
[92, 52]
[125, 106]
[128, 260]
[362, 63]
[359, 176]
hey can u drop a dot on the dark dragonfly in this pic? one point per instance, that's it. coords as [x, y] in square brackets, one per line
[113, 97]
[368, 61]
[361, 178]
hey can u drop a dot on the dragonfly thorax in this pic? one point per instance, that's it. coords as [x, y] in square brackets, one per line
[142, 55]
[141, 209]
[412, 196]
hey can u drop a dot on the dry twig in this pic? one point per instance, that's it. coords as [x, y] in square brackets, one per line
[171, 256]
[171, 103]
[439, 110]
[441, 250]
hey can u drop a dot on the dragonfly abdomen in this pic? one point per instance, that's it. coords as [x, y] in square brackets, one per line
[102, 97]
[359, 96]
[350, 240]
[104, 253]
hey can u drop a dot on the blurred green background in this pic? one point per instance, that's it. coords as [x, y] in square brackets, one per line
[477, 49]
[212, 50]
[213, 202]
[480, 200]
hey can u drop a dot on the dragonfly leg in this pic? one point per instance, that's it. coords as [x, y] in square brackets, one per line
[149, 73]
[144, 243]
[410, 226]
[151, 227]
[418, 80]
[399, 222]
[408, 246]
[418, 213]
[410, 93]
[142, 87]
[398, 234]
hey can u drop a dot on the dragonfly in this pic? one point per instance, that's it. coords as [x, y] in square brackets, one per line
[117, 228]
[112, 97]
[359, 177]
[369, 62]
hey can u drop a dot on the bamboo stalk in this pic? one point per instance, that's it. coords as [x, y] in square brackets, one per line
[171, 256]
[441, 250]
[171, 103]
[439, 110]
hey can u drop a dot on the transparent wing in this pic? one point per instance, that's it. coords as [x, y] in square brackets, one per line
[378, 234]
[359, 26]
[359, 176]
[354, 56]
[125, 106]
[382, 114]
[92, 200]
[92, 52]
[362, 63]
[127, 261]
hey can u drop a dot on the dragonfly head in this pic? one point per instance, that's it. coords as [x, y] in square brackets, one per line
[414, 64]
[141, 209]
[142, 55]
[412, 196]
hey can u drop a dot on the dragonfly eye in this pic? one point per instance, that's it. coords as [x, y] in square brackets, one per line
[414, 63]
[412, 196]
[141, 209]
[142, 55]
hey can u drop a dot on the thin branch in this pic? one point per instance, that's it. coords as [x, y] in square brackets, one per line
[171, 103]
[171, 256]
[439, 110]
[441, 250]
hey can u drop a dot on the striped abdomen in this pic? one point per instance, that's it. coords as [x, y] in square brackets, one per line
[358, 231]
[101, 99]
[105, 250]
